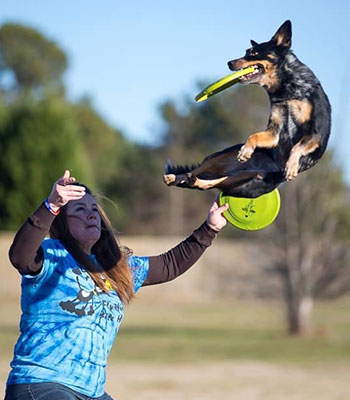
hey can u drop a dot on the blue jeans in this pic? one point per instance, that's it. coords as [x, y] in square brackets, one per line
[46, 391]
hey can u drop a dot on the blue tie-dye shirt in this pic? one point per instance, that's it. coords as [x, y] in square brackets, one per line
[68, 324]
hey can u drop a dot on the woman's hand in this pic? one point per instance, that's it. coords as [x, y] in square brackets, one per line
[215, 219]
[62, 191]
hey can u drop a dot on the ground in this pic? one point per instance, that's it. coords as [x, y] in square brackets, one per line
[221, 350]
[178, 342]
[242, 380]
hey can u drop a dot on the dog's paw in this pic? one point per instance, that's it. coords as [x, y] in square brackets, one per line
[245, 153]
[169, 179]
[291, 170]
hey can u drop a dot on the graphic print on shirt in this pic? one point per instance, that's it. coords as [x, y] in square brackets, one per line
[86, 302]
[80, 303]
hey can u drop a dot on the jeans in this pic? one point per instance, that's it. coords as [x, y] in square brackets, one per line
[46, 391]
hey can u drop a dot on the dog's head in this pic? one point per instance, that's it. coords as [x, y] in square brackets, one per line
[266, 58]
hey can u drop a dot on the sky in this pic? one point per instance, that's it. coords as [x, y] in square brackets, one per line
[131, 56]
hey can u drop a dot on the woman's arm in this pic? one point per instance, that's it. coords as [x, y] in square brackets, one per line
[25, 252]
[173, 263]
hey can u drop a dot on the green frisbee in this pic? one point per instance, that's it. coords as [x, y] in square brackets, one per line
[252, 214]
[223, 84]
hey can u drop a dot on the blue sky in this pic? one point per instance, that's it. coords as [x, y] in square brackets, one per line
[129, 56]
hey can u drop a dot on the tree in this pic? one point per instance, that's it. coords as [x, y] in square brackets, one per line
[104, 145]
[138, 191]
[34, 61]
[221, 121]
[37, 142]
[311, 238]
[122, 171]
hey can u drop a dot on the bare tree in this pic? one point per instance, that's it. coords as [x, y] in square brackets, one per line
[311, 241]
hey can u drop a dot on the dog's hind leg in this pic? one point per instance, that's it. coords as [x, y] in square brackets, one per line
[185, 180]
[213, 170]
[190, 180]
[208, 183]
[305, 146]
[169, 179]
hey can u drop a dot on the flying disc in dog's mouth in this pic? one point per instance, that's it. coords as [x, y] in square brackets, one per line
[225, 82]
[256, 73]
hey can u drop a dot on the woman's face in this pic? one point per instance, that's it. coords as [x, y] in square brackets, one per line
[84, 221]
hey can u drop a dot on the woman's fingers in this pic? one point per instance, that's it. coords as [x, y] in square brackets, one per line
[66, 178]
[63, 191]
[71, 189]
[214, 206]
[66, 174]
[223, 208]
[70, 192]
[215, 218]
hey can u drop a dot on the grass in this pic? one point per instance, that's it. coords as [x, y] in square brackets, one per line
[224, 331]
[230, 330]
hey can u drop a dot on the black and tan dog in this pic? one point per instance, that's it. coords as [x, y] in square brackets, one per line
[296, 135]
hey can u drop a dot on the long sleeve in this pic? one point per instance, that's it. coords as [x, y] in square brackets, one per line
[173, 263]
[25, 252]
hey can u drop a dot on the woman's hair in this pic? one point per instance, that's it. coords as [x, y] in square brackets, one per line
[112, 260]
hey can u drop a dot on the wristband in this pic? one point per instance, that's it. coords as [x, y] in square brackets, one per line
[47, 205]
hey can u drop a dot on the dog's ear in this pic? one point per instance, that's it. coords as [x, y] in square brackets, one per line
[283, 37]
[254, 43]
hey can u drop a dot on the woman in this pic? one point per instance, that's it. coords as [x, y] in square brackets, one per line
[74, 287]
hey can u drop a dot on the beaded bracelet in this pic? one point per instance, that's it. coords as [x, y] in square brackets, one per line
[47, 205]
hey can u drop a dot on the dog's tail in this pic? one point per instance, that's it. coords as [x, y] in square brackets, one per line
[179, 169]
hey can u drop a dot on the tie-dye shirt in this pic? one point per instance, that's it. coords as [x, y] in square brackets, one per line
[68, 324]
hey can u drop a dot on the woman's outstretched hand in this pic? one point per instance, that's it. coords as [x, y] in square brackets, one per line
[62, 191]
[215, 219]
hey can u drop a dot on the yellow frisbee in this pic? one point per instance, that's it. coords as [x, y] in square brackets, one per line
[252, 214]
[223, 84]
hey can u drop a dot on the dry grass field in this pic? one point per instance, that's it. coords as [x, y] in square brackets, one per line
[215, 351]
[244, 380]
[178, 341]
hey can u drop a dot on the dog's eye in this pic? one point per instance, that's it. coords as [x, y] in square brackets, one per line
[253, 52]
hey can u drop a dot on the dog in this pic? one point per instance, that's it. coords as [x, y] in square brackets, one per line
[296, 135]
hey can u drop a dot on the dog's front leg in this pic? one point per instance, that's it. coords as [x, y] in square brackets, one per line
[306, 145]
[266, 138]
